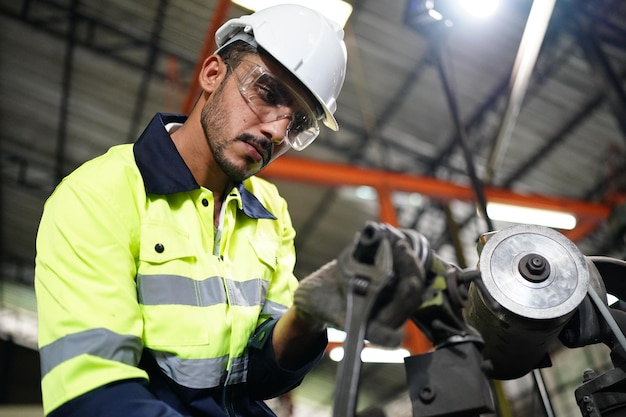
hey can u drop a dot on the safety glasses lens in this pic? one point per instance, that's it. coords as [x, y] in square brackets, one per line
[300, 138]
[272, 100]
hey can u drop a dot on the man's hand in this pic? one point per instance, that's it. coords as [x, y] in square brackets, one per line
[322, 296]
[400, 298]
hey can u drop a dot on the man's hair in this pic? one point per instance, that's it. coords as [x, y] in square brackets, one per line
[234, 53]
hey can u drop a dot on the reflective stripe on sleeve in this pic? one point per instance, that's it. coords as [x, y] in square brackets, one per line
[201, 373]
[247, 293]
[97, 342]
[273, 309]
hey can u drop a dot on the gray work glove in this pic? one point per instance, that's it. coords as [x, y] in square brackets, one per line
[400, 298]
[322, 296]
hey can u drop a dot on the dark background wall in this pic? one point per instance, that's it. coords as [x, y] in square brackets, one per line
[19, 374]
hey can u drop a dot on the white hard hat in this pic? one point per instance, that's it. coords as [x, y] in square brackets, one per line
[303, 41]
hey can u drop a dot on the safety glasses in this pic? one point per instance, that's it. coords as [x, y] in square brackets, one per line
[271, 99]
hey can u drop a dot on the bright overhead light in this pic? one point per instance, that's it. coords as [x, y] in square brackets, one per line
[480, 8]
[435, 14]
[335, 336]
[336, 10]
[526, 215]
[365, 192]
[373, 355]
[427, 16]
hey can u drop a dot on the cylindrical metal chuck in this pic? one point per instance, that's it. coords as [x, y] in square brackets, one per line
[535, 278]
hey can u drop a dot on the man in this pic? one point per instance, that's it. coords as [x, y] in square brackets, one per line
[164, 270]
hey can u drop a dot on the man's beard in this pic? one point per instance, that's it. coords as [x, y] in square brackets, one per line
[213, 119]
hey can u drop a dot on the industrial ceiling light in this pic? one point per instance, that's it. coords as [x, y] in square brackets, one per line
[527, 215]
[365, 192]
[373, 355]
[336, 10]
[425, 15]
[335, 336]
[369, 353]
[479, 8]
[428, 15]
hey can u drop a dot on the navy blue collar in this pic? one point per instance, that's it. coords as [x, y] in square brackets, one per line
[164, 171]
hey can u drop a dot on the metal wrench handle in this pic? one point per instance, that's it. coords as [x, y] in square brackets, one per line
[365, 283]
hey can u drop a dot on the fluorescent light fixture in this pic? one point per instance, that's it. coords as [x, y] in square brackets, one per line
[480, 8]
[365, 192]
[335, 336]
[399, 198]
[19, 325]
[435, 14]
[336, 10]
[526, 215]
[404, 199]
[373, 355]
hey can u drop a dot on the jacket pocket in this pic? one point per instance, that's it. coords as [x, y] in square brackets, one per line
[161, 243]
[266, 252]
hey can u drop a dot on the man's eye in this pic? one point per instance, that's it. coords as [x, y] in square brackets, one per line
[270, 91]
[300, 122]
[268, 95]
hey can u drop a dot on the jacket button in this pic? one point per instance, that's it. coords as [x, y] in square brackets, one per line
[205, 202]
[159, 248]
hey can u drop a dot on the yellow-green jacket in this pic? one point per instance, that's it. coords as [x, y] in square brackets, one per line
[129, 263]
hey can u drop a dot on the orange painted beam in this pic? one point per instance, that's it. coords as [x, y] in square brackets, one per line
[414, 340]
[582, 229]
[388, 212]
[334, 174]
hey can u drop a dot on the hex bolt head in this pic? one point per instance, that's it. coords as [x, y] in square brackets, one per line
[534, 267]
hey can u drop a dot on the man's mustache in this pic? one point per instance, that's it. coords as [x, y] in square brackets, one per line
[259, 143]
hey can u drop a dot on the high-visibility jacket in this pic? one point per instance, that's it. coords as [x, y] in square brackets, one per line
[129, 263]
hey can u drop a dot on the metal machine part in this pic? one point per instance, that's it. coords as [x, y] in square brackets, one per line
[532, 287]
[603, 394]
[535, 278]
[449, 382]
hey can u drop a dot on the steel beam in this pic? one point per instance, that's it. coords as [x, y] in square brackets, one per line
[333, 174]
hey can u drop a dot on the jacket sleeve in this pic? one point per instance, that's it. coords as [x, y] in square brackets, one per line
[266, 378]
[128, 398]
[90, 323]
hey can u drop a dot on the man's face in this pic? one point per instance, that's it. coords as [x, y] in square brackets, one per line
[243, 131]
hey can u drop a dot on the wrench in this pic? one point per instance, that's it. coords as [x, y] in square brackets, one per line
[365, 281]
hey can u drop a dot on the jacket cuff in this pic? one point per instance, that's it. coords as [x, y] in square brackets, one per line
[129, 398]
[266, 378]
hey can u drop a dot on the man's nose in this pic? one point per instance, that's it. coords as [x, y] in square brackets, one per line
[276, 130]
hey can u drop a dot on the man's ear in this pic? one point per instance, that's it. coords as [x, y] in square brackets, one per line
[212, 73]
